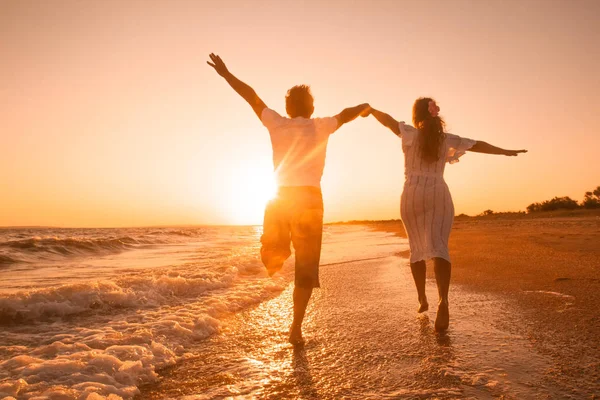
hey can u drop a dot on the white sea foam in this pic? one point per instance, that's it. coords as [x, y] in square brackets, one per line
[556, 294]
[148, 323]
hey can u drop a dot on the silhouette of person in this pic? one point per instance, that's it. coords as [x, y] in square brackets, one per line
[295, 215]
[426, 207]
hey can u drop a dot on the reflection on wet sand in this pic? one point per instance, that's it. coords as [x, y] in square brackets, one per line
[365, 340]
[301, 373]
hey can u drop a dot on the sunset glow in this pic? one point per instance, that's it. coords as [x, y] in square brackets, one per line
[111, 117]
[299, 199]
[250, 189]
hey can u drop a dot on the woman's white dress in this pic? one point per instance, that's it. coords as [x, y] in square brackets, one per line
[426, 206]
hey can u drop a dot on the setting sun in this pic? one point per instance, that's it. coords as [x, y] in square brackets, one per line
[249, 188]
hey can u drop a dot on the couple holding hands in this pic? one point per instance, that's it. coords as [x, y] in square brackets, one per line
[295, 215]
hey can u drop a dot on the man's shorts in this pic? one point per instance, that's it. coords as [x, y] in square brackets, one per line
[294, 216]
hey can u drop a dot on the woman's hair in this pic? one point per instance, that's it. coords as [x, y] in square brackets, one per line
[431, 128]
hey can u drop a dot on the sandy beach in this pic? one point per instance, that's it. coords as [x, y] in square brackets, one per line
[515, 332]
[548, 263]
[202, 320]
[365, 341]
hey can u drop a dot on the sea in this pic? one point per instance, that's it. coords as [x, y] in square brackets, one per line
[98, 313]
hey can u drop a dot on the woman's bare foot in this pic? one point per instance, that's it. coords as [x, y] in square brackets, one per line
[442, 320]
[423, 305]
[296, 335]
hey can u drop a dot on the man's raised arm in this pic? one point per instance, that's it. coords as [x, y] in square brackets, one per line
[351, 113]
[386, 120]
[240, 87]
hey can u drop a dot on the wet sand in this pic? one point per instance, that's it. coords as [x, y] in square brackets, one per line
[550, 266]
[365, 340]
[523, 326]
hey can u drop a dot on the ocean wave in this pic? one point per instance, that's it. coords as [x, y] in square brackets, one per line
[44, 247]
[143, 324]
[134, 292]
[48, 244]
[185, 232]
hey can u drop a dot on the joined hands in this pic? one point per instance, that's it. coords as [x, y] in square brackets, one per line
[367, 111]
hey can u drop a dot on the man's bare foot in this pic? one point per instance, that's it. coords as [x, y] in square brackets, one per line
[296, 335]
[442, 320]
[274, 266]
[423, 305]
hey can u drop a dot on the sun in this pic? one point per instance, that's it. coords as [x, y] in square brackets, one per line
[250, 187]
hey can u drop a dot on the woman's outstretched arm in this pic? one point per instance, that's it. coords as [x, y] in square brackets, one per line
[484, 147]
[386, 120]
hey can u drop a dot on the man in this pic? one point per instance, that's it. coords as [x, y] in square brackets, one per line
[296, 213]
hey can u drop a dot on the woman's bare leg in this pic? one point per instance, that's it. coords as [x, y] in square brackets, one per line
[418, 270]
[442, 270]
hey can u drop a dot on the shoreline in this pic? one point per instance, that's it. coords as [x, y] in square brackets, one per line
[549, 265]
[364, 339]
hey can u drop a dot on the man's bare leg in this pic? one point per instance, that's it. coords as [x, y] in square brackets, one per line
[418, 270]
[442, 270]
[301, 298]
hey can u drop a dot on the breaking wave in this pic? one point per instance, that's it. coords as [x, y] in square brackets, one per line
[57, 244]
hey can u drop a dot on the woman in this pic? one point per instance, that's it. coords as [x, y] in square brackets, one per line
[426, 206]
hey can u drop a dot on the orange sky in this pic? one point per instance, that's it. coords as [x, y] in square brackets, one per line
[109, 115]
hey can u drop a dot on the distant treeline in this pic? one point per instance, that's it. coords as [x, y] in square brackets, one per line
[590, 200]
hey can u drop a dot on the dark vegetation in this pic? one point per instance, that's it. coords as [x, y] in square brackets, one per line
[590, 200]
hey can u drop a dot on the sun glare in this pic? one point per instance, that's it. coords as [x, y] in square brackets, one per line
[250, 188]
